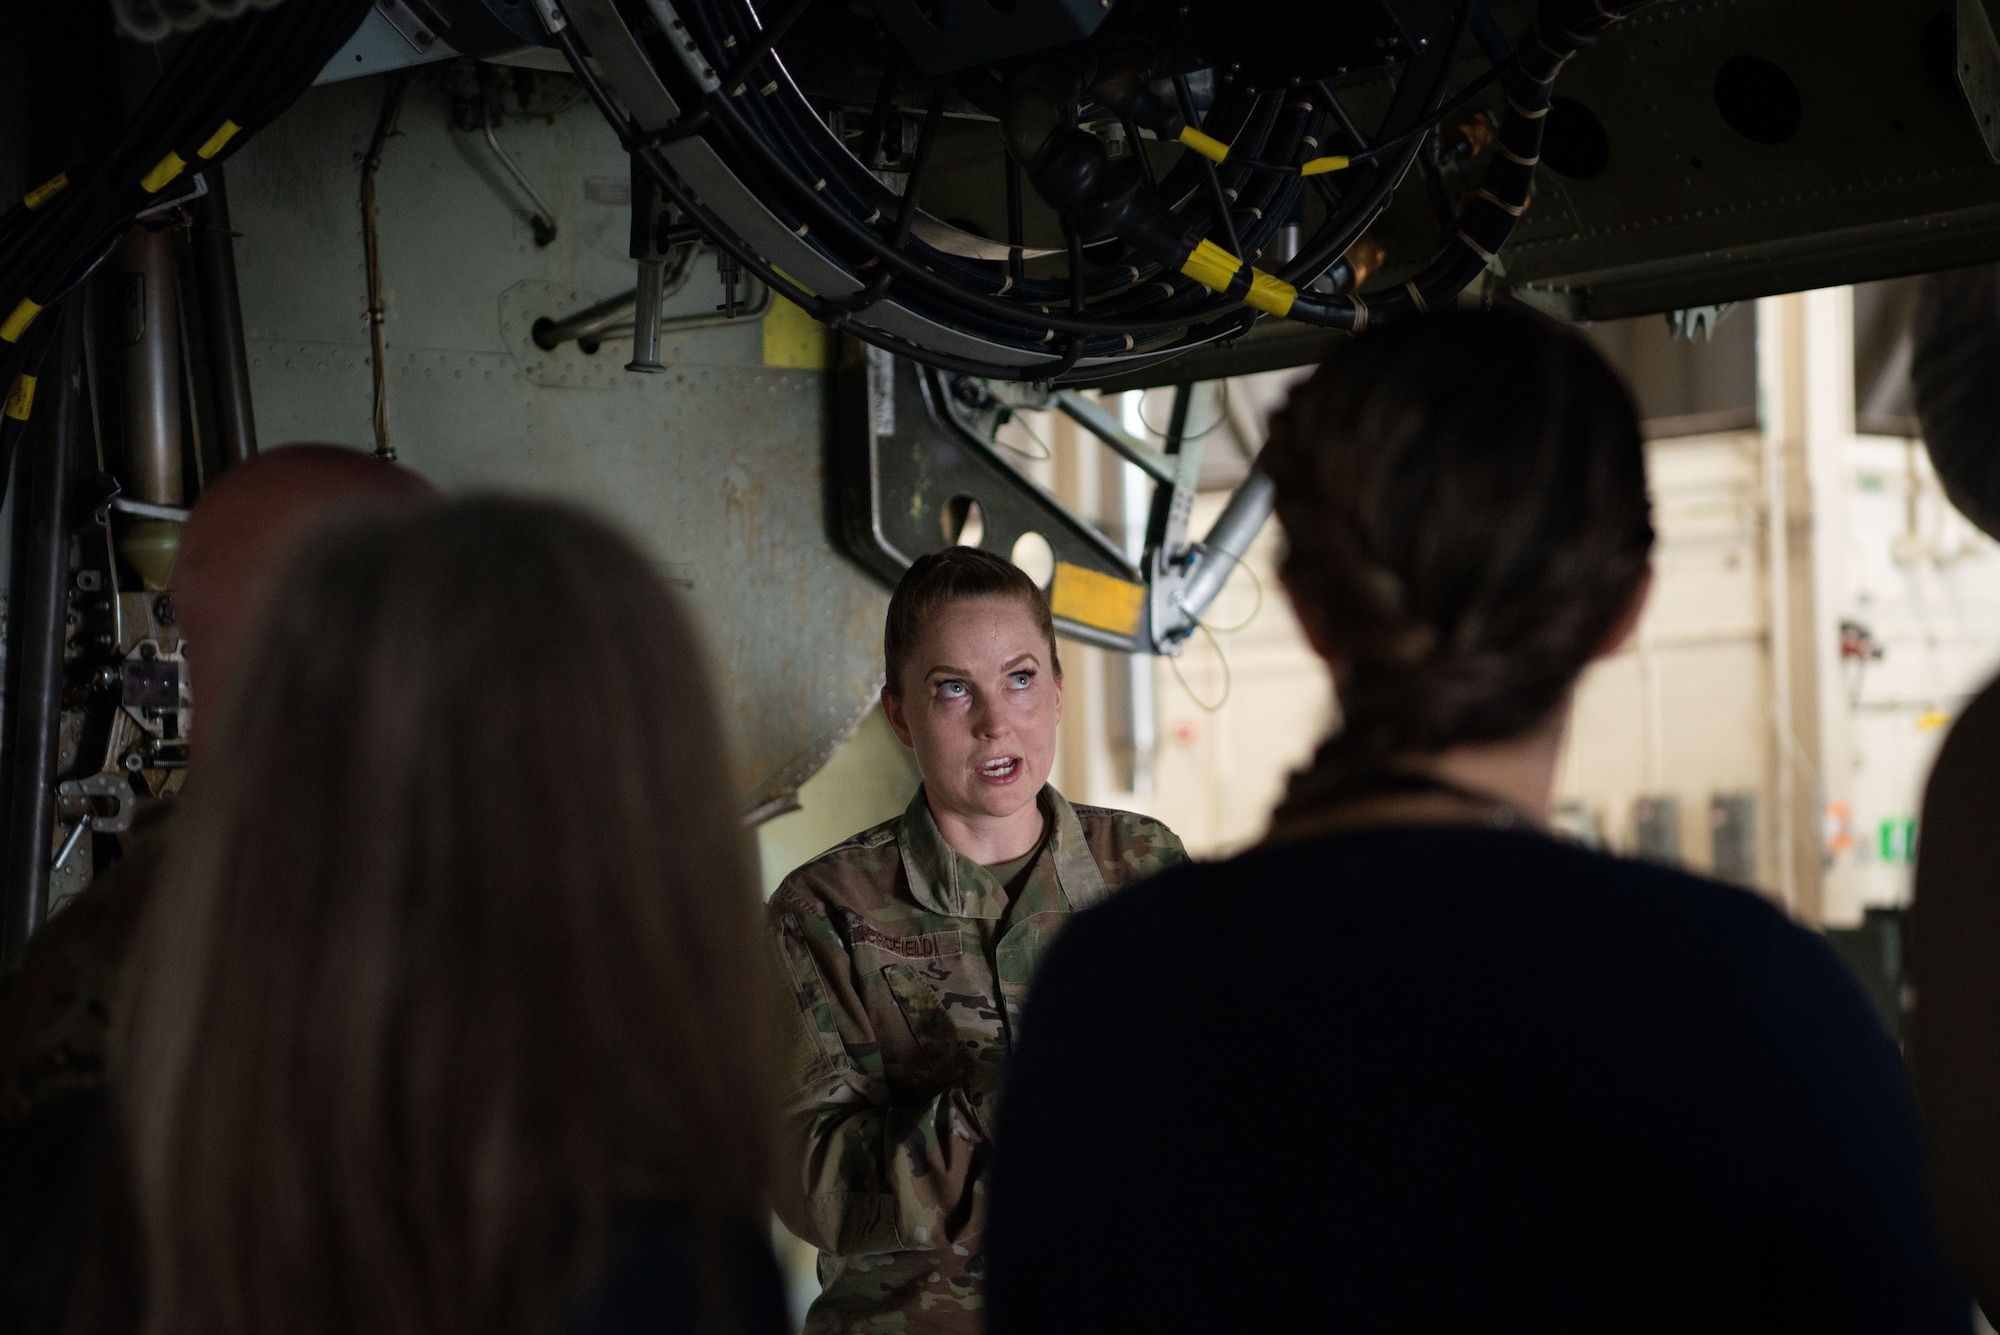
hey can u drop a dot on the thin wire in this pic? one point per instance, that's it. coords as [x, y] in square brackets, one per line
[1046, 454]
[1372, 152]
[1222, 661]
[1216, 194]
[1256, 608]
[385, 125]
[1221, 415]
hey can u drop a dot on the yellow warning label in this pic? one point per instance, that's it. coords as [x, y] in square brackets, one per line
[21, 401]
[1104, 602]
[794, 339]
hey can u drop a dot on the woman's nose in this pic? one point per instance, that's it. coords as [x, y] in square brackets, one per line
[988, 721]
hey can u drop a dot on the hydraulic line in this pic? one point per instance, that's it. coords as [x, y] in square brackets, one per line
[222, 320]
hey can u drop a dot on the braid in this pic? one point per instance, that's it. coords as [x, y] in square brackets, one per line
[1463, 500]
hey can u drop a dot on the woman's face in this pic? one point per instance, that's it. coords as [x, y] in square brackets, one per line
[979, 705]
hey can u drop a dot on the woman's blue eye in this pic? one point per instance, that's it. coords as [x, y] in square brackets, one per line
[1022, 680]
[951, 688]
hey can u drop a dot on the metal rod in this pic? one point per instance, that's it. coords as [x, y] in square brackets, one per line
[586, 323]
[1222, 550]
[36, 658]
[545, 215]
[1093, 418]
[612, 318]
[754, 309]
[152, 367]
[222, 321]
[646, 316]
[1166, 522]
[125, 505]
[69, 843]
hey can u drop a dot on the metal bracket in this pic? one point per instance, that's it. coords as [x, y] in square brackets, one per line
[1696, 324]
[914, 450]
[1978, 49]
[114, 788]
[407, 25]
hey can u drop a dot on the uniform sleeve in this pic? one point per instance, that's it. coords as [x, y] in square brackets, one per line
[1857, 1250]
[856, 1174]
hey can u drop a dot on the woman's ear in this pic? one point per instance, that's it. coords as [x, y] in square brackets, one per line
[892, 709]
[1628, 620]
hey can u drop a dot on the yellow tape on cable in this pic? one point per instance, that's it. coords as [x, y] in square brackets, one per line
[21, 399]
[165, 170]
[1205, 144]
[17, 323]
[1211, 266]
[1321, 166]
[1102, 602]
[225, 132]
[46, 191]
[1271, 294]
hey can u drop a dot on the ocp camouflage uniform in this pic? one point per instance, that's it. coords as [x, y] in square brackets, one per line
[910, 969]
[58, 993]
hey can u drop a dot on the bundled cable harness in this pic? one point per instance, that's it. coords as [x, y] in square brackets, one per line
[699, 94]
[231, 79]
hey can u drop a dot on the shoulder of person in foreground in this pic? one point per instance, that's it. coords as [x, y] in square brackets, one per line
[1135, 846]
[1954, 939]
[1852, 1240]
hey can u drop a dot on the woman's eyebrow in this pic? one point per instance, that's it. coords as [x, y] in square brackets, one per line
[954, 671]
[1023, 658]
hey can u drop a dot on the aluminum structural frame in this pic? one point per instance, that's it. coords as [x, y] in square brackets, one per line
[914, 444]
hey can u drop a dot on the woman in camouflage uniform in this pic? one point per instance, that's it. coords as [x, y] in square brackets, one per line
[910, 947]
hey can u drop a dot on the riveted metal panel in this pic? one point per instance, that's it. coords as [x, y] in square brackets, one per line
[717, 465]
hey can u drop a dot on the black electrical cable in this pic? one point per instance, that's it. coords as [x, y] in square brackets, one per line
[814, 196]
[773, 141]
[635, 142]
[228, 81]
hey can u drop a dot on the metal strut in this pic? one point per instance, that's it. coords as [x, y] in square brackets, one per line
[915, 450]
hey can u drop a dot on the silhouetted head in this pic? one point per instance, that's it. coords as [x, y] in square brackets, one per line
[1466, 522]
[248, 521]
[458, 946]
[972, 682]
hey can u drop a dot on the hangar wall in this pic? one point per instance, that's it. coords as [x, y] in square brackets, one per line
[1791, 762]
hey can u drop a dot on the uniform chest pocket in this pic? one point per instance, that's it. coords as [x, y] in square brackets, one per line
[944, 1053]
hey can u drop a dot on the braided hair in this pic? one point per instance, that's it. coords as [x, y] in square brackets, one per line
[1464, 506]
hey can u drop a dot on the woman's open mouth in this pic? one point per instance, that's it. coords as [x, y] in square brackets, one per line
[1000, 770]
